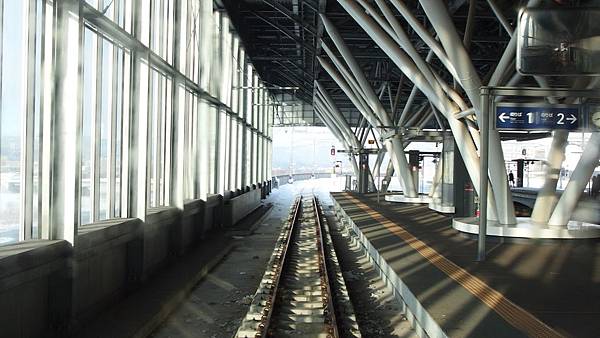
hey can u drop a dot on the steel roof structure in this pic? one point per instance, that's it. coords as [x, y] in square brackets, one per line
[283, 39]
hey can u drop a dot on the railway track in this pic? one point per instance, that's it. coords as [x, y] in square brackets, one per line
[302, 292]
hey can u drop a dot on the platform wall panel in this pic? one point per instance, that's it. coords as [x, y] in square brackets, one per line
[106, 264]
[50, 289]
[241, 206]
[35, 289]
[159, 238]
[192, 226]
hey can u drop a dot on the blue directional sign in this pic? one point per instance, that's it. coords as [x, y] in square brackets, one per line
[538, 116]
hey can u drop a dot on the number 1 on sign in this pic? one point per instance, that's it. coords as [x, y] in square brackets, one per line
[530, 119]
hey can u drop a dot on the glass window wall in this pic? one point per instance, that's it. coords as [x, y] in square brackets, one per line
[123, 98]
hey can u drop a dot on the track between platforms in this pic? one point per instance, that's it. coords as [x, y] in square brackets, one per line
[302, 293]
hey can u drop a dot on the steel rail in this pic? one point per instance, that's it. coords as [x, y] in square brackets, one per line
[329, 312]
[266, 319]
[297, 268]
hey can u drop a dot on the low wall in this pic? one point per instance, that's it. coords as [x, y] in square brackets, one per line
[192, 225]
[283, 179]
[35, 289]
[107, 263]
[213, 214]
[239, 207]
[159, 233]
[49, 289]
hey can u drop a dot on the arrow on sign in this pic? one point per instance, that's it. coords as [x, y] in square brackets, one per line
[502, 117]
[573, 119]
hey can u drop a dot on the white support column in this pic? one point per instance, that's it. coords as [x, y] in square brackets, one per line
[436, 189]
[579, 179]
[366, 113]
[328, 121]
[424, 34]
[351, 82]
[463, 138]
[546, 198]
[354, 164]
[388, 176]
[65, 160]
[469, 80]
[393, 145]
[323, 98]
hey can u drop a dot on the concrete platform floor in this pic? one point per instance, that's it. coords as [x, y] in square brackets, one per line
[558, 282]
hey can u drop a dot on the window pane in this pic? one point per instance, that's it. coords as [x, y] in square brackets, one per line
[105, 104]
[88, 119]
[14, 67]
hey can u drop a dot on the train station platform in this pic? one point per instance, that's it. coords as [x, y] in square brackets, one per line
[524, 288]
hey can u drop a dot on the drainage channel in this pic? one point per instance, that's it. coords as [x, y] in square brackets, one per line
[302, 293]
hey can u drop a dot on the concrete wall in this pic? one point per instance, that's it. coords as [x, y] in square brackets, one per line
[283, 179]
[159, 233]
[240, 206]
[106, 265]
[213, 214]
[35, 289]
[192, 225]
[49, 289]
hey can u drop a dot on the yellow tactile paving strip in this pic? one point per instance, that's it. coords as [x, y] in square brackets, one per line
[512, 313]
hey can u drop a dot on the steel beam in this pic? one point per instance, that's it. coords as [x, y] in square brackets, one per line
[285, 31]
[287, 13]
[373, 101]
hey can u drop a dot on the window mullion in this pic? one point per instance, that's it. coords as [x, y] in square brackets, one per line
[97, 135]
[112, 134]
[27, 132]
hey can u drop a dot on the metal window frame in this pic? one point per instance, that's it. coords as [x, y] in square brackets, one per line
[129, 60]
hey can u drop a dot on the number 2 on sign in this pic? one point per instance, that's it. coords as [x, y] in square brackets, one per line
[561, 118]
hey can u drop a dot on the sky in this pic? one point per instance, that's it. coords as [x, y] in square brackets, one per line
[311, 147]
[13, 67]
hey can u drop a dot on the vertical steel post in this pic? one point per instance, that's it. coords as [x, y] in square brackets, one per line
[138, 126]
[65, 124]
[176, 193]
[483, 178]
[28, 128]
[379, 179]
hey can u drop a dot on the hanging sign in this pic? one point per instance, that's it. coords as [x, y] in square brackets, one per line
[519, 116]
